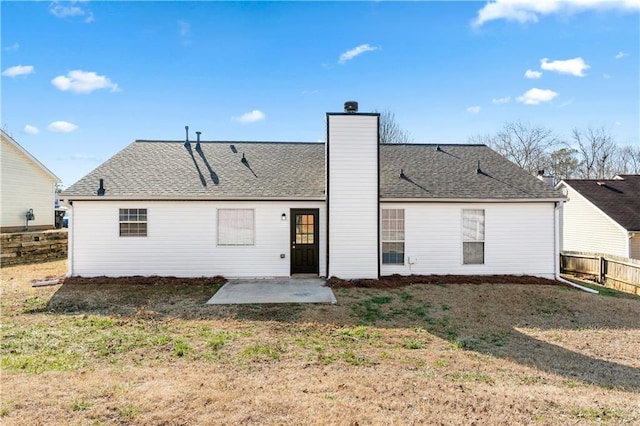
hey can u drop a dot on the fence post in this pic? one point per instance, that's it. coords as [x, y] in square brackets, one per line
[603, 270]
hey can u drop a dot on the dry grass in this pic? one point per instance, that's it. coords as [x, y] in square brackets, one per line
[150, 352]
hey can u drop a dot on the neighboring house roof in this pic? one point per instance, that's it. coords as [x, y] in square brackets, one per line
[12, 141]
[618, 198]
[168, 169]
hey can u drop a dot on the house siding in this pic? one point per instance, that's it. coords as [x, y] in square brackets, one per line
[24, 186]
[182, 240]
[519, 239]
[353, 195]
[586, 228]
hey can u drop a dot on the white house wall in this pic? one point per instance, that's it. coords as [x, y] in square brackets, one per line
[182, 240]
[24, 186]
[353, 195]
[519, 239]
[586, 228]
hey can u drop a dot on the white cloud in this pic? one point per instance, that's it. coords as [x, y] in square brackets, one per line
[473, 109]
[31, 130]
[501, 100]
[69, 10]
[13, 48]
[184, 28]
[356, 51]
[606, 76]
[18, 70]
[532, 74]
[575, 66]
[621, 55]
[535, 96]
[523, 11]
[79, 81]
[251, 117]
[61, 127]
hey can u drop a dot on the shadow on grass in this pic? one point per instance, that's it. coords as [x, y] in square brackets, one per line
[487, 319]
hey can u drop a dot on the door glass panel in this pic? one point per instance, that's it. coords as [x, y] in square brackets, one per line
[304, 229]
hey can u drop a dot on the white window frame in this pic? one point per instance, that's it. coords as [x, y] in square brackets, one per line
[242, 231]
[131, 219]
[480, 232]
[394, 234]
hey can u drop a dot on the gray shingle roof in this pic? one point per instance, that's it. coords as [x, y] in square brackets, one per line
[162, 169]
[617, 198]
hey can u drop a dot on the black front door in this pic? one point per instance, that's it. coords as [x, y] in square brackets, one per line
[304, 241]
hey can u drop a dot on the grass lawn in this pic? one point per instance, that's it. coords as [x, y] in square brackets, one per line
[149, 351]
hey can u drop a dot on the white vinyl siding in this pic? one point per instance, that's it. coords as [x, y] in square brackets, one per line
[353, 196]
[182, 240]
[25, 185]
[519, 239]
[236, 227]
[586, 228]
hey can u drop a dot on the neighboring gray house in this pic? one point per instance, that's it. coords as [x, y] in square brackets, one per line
[350, 208]
[602, 216]
[26, 186]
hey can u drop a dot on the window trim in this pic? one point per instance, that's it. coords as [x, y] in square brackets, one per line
[465, 240]
[127, 212]
[253, 228]
[384, 240]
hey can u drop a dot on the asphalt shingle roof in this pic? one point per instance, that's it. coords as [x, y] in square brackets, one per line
[297, 170]
[617, 198]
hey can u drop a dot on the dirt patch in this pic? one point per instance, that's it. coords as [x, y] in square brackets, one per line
[399, 281]
[144, 281]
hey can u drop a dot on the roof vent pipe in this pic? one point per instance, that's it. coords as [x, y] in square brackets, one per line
[186, 141]
[478, 170]
[101, 190]
[351, 107]
[198, 140]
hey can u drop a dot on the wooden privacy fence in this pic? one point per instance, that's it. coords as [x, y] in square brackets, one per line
[616, 272]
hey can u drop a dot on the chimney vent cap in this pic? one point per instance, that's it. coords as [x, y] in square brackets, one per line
[351, 107]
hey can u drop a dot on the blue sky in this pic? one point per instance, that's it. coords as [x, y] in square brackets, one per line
[81, 80]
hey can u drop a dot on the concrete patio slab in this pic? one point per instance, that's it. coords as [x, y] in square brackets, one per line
[280, 290]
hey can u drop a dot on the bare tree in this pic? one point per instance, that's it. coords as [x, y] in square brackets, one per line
[597, 152]
[563, 163]
[527, 146]
[390, 130]
[628, 160]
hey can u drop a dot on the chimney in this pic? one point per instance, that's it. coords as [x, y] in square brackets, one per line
[351, 107]
[549, 180]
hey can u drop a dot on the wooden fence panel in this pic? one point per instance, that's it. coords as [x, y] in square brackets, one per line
[612, 271]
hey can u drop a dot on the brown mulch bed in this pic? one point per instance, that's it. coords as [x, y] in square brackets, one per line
[145, 281]
[397, 281]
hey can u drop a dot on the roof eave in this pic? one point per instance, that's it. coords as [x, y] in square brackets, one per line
[472, 200]
[72, 198]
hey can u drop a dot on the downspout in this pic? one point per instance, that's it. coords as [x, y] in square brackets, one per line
[556, 250]
[70, 241]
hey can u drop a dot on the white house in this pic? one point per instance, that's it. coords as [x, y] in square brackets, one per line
[602, 216]
[28, 189]
[350, 208]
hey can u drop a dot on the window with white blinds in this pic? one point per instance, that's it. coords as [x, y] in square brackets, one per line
[236, 227]
[473, 237]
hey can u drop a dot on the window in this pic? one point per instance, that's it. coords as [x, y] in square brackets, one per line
[473, 237]
[235, 227]
[392, 236]
[133, 222]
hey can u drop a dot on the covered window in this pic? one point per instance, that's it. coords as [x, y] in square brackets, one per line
[393, 236]
[236, 227]
[133, 222]
[473, 237]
